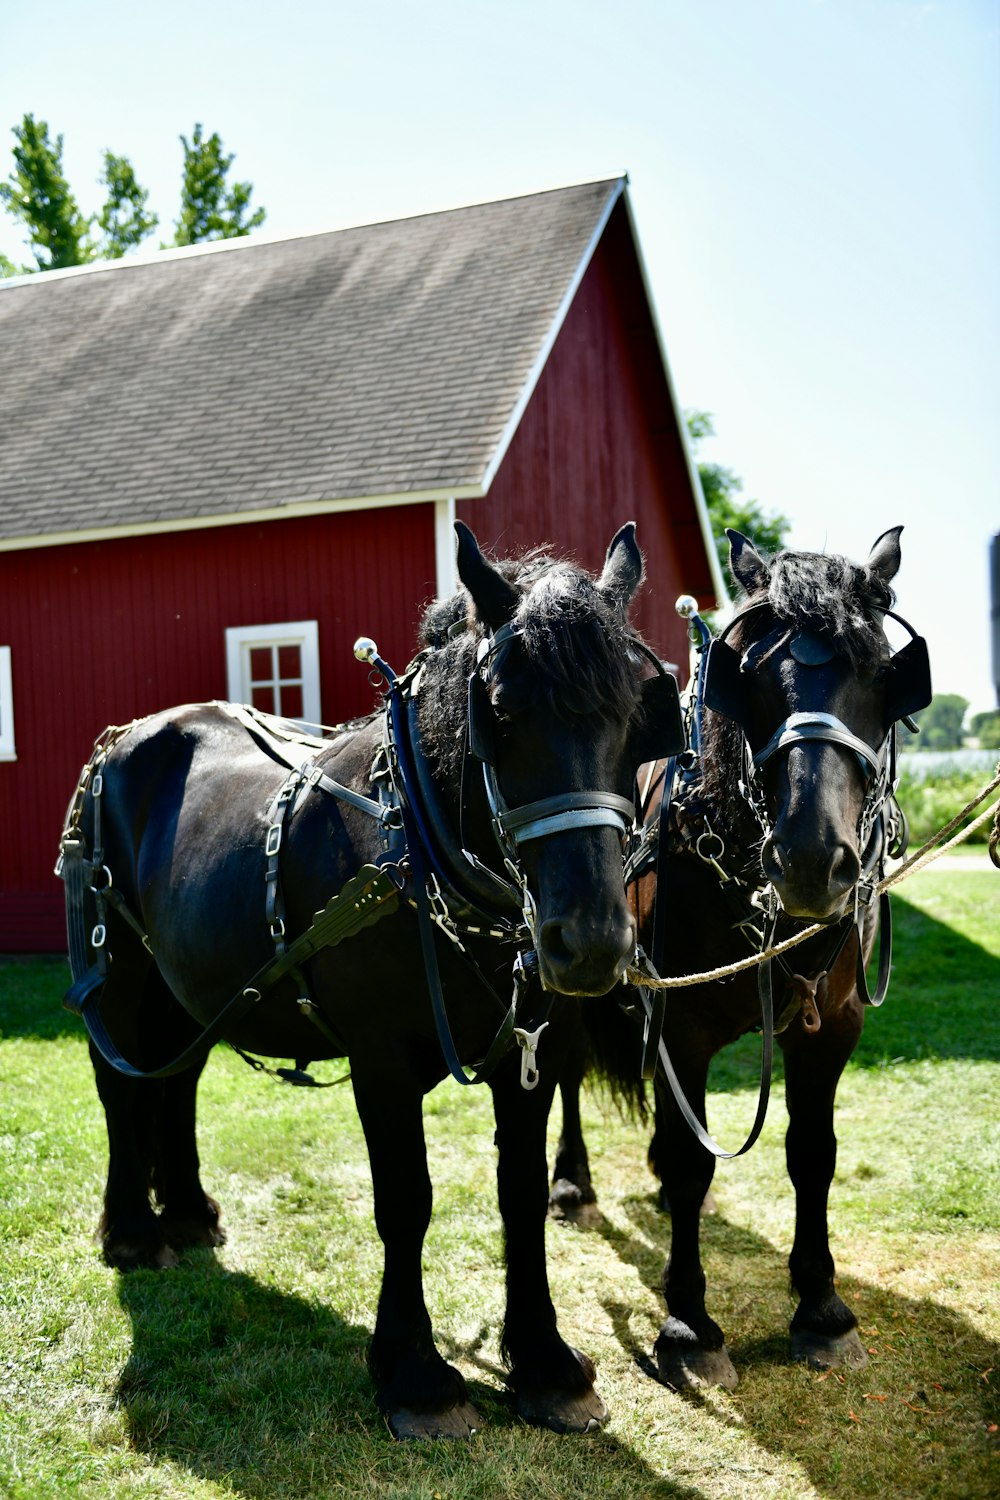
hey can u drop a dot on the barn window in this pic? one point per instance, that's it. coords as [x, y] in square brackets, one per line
[276, 668]
[7, 751]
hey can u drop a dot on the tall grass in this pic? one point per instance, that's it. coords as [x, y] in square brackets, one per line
[242, 1372]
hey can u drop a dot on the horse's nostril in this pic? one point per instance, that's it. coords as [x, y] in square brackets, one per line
[556, 941]
[845, 868]
[773, 860]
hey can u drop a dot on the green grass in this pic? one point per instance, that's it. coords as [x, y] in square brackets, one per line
[243, 1372]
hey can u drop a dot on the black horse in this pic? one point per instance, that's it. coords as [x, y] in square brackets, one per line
[790, 795]
[206, 850]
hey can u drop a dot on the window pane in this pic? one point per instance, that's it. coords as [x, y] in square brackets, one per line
[263, 698]
[290, 663]
[261, 668]
[291, 701]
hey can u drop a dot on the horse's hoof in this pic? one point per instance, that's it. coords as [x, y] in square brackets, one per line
[570, 1196]
[688, 1365]
[842, 1351]
[579, 1412]
[138, 1255]
[423, 1426]
[184, 1233]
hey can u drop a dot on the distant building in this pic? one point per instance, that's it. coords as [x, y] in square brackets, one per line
[223, 464]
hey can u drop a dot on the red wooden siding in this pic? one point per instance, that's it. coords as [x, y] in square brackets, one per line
[104, 632]
[598, 446]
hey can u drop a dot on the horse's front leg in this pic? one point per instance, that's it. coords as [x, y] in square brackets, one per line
[421, 1395]
[823, 1329]
[552, 1383]
[690, 1347]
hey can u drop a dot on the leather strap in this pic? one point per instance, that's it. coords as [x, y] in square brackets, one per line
[884, 956]
[369, 896]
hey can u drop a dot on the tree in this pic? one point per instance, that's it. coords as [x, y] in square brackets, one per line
[123, 219]
[722, 490]
[208, 211]
[986, 728]
[38, 194]
[941, 722]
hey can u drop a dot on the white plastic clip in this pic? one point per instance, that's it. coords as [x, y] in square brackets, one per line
[528, 1043]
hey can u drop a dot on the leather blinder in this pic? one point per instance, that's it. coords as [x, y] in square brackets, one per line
[726, 687]
[908, 681]
[659, 730]
[482, 721]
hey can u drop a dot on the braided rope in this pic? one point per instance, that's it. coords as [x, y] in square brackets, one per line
[930, 851]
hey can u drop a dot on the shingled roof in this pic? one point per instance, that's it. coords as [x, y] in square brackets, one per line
[256, 375]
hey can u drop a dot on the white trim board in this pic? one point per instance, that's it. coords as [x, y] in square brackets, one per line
[7, 746]
[237, 518]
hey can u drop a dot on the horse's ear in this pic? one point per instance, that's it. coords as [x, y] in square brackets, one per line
[622, 573]
[748, 567]
[495, 599]
[885, 557]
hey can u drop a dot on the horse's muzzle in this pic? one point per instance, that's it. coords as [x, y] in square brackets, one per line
[579, 957]
[812, 884]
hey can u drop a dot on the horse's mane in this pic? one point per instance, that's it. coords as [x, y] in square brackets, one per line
[576, 640]
[842, 601]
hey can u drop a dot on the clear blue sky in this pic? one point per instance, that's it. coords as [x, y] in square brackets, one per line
[815, 184]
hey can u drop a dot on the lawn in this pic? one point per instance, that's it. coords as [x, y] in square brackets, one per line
[242, 1372]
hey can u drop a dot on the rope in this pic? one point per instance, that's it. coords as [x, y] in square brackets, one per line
[924, 856]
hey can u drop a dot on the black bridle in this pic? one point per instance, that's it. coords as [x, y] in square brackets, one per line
[660, 732]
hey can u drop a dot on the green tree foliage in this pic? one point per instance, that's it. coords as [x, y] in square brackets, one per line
[208, 210]
[986, 728]
[38, 194]
[941, 722]
[123, 220]
[726, 506]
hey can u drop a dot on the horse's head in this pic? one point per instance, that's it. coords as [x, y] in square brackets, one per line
[561, 698]
[806, 672]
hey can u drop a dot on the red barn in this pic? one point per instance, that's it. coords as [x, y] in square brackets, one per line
[222, 464]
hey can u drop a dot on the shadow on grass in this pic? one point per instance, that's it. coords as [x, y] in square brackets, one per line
[268, 1393]
[31, 993]
[928, 1380]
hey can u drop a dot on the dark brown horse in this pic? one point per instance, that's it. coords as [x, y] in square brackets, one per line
[206, 849]
[785, 804]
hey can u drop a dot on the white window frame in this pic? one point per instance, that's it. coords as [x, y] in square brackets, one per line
[240, 640]
[7, 750]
